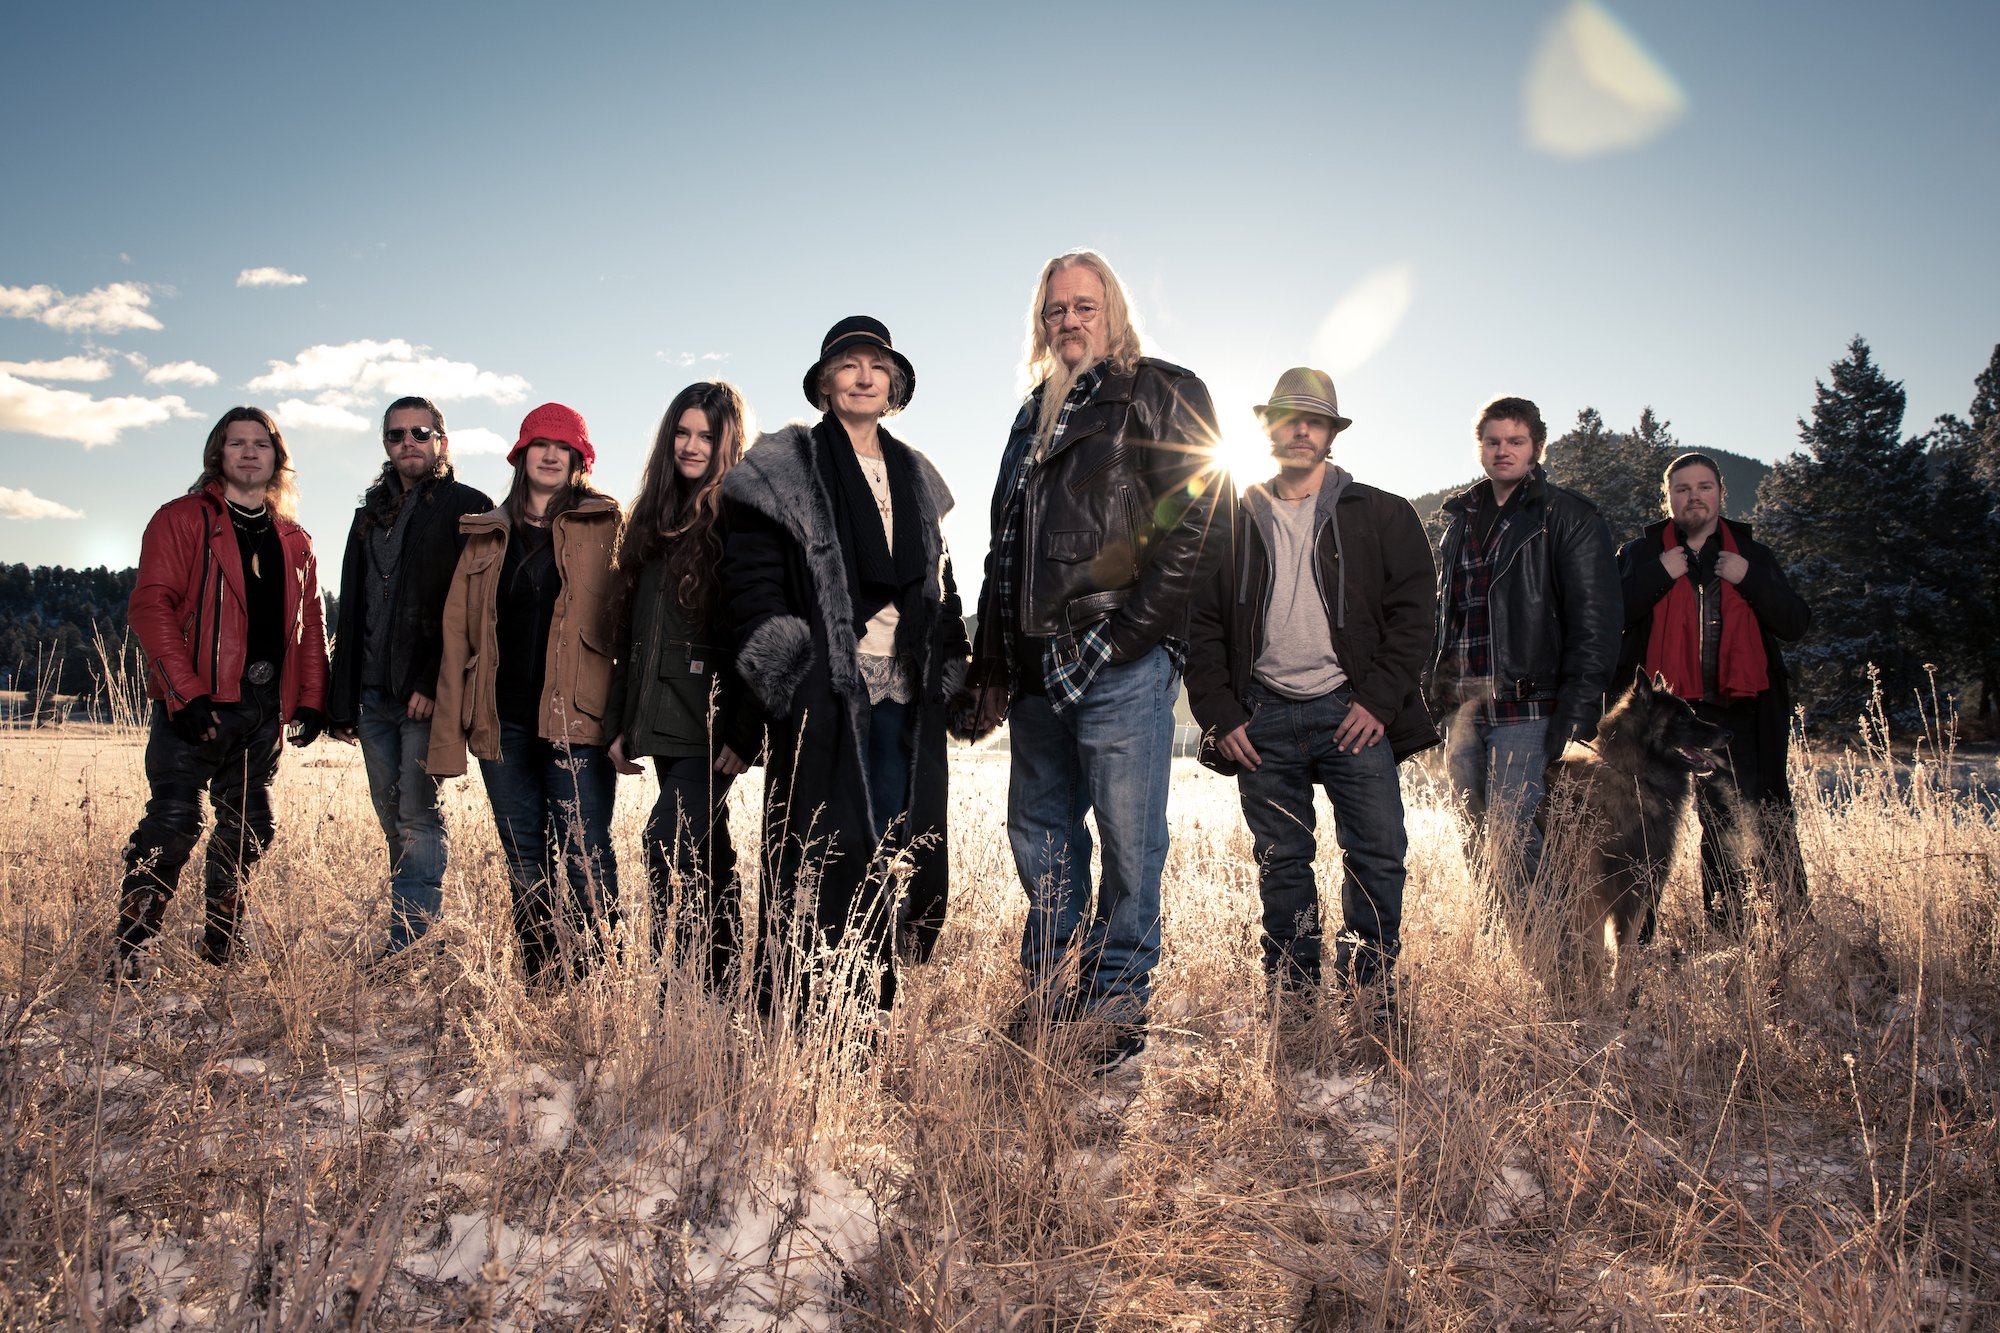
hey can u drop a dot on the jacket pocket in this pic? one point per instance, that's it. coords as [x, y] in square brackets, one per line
[1072, 547]
[468, 688]
[1087, 477]
[593, 675]
[682, 660]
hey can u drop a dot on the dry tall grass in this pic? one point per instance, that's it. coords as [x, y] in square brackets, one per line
[1800, 1133]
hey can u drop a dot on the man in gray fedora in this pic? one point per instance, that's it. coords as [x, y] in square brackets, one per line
[1305, 661]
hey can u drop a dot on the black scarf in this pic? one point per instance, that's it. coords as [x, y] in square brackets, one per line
[875, 576]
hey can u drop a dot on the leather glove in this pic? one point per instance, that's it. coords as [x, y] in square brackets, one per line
[196, 721]
[307, 724]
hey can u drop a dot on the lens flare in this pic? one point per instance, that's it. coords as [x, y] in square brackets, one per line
[1246, 457]
[1594, 88]
[1364, 320]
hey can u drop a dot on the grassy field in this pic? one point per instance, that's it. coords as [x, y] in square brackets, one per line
[1795, 1133]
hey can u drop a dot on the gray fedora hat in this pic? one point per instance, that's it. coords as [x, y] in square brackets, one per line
[1303, 389]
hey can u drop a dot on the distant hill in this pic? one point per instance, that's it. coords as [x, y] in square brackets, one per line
[1740, 477]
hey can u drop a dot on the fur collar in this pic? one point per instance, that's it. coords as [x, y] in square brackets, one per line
[777, 473]
[777, 478]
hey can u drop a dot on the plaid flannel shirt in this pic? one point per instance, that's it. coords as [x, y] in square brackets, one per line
[1470, 643]
[1069, 663]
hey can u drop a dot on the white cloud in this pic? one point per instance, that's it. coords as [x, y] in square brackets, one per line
[1364, 320]
[479, 440]
[295, 412]
[685, 360]
[269, 277]
[110, 309]
[68, 368]
[1594, 88]
[27, 505]
[181, 372]
[367, 372]
[68, 414]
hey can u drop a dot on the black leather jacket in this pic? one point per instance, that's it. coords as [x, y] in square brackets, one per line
[1116, 517]
[1555, 604]
[431, 545]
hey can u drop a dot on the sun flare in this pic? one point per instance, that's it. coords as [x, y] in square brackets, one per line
[1246, 457]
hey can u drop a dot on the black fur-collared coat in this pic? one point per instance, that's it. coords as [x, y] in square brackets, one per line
[786, 597]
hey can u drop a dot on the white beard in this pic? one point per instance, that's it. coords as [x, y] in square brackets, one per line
[1055, 391]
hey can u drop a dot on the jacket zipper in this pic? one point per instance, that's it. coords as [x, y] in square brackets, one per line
[215, 632]
[200, 595]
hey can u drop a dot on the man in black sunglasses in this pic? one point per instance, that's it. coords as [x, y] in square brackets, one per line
[401, 551]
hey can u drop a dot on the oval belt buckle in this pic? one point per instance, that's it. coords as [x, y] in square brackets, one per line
[260, 673]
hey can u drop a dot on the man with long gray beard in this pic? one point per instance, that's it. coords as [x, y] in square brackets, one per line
[1100, 524]
[401, 551]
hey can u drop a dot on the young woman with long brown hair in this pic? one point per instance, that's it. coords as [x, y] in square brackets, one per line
[675, 694]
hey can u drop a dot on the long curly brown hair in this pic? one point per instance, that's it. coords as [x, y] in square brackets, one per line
[680, 520]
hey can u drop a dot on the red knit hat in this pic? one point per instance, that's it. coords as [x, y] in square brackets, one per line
[553, 421]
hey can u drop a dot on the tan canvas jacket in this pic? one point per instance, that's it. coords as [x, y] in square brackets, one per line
[578, 678]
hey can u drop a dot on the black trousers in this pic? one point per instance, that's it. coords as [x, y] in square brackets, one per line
[236, 768]
[1747, 812]
[691, 867]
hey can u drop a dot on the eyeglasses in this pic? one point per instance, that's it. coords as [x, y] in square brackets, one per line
[1085, 311]
[421, 434]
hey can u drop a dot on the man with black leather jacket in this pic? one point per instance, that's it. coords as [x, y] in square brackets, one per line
[1100, 524]
[1530, 617]
[401, 552]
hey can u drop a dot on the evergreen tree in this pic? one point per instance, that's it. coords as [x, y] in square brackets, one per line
[1850, 516]
[1964, 460]
[1620, 472]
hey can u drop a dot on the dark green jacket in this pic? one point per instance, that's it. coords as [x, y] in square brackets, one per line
[671, 672]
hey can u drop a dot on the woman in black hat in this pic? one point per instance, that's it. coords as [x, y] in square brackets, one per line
[838, 586]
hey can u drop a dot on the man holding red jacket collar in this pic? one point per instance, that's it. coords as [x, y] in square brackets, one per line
[1706, 607]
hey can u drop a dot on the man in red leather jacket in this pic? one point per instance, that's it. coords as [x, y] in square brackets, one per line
[227, 609]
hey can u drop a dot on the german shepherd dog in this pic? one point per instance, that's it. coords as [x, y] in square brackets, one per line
[1620, 800]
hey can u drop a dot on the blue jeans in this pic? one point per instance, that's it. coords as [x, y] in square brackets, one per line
[1112, 752]
[410, 808]
[888, 765]
[1294, 740]
[553, 799]
[1497, 771]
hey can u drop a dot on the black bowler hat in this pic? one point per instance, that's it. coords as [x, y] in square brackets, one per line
[850, 331]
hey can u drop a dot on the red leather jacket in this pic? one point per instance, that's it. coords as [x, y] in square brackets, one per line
[189, 612]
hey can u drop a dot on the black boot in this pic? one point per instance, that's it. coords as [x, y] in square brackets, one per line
[141, 906]
[218, 937]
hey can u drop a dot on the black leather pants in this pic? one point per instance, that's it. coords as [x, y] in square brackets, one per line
[236, 767]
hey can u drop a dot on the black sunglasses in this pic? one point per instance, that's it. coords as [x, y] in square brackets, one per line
[421, 434]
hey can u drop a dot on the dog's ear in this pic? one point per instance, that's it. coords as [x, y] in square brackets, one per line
[1642, 685]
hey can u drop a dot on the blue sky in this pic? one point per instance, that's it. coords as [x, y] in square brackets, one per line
[1687, 205]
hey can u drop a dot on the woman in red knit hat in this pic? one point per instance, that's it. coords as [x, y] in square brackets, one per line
[525, 681]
